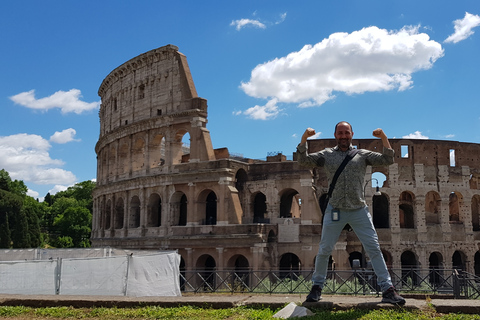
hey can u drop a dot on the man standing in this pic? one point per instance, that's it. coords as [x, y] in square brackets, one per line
[347, 204]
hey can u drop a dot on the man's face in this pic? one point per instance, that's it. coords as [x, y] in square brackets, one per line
[343, 135]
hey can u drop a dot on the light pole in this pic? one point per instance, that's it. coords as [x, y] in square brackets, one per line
[377, 193]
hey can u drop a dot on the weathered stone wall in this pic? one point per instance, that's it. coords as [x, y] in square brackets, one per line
[225, 212]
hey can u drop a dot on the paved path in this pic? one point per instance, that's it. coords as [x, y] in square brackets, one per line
[337, 302]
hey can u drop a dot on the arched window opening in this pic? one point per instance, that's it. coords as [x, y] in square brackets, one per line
[272, 237]
[381, 214]
[406, 205]
[458, 260]
[156, 151]
[259, 208]
[154, 218]
[240, 180]
[206, 265]
[432, 207]
[454, 207]
[241, 272]
[182, 221]
[290, 204]
[476, 264]
[435, 265]
[119, 214]
[180, 147]
[134, 213]
[409, 265]
[211, 209]
[289, 266]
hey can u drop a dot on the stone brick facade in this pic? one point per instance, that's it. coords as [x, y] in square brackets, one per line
[227, 212]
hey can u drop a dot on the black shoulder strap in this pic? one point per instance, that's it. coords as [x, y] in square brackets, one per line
[349, 157]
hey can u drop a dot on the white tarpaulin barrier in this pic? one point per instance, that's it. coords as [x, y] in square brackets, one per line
[154, 275]
[131, 275]
[28, 277]
[96, 276]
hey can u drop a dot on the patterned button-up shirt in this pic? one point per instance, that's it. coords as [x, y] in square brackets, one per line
[348, 192]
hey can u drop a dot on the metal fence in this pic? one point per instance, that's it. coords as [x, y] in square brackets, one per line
[457, 283]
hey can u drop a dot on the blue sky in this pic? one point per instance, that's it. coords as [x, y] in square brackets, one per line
[269, 69]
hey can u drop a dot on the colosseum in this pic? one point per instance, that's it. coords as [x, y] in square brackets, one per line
[225, 212]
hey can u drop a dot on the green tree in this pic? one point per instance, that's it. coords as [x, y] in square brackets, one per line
[10, 207]
[75, 223]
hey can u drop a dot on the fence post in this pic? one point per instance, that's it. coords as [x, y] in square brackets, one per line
[456, 284]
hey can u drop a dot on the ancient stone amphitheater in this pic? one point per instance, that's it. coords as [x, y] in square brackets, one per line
[225, 212]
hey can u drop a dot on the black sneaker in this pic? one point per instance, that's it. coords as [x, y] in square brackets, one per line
[391, 296]
[315, 294]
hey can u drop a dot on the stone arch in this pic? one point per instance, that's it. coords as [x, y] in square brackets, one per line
[409, 264]
[290, 204]
[138, 154]
[406, 210]
[156, 149]
[178, 205]
[458, 260]
[476, 263]
[433, 208]
[435, 264]
[207, 201]
[134, 219]
[475, 207]
[455, 201]
[154, 211]
[177, 148]
[238, 262]
[272, 237]
[381, 211]
[207, 265]
[259, 207]
[241, 178]
[289, 264]
[119, 213]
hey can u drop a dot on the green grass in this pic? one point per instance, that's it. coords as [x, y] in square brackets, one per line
[195, 313]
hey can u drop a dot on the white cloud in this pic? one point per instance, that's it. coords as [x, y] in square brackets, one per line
[33, 194]
[449, 136]
[463, 28]
[26, 157]
[239, 24]
[266, 112]
[64, 136]
[315, 136]
[415, 135]
[370, 59]
[283, 16]
[66, 101]
[58, 188]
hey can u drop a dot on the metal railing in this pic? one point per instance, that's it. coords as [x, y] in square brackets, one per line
[457, 283]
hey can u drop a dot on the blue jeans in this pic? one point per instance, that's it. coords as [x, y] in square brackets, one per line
[361, 222]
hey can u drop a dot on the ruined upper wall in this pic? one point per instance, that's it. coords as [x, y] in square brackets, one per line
[432, 154]
[155, 83]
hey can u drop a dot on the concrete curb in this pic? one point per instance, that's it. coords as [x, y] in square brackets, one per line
[274, 302]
